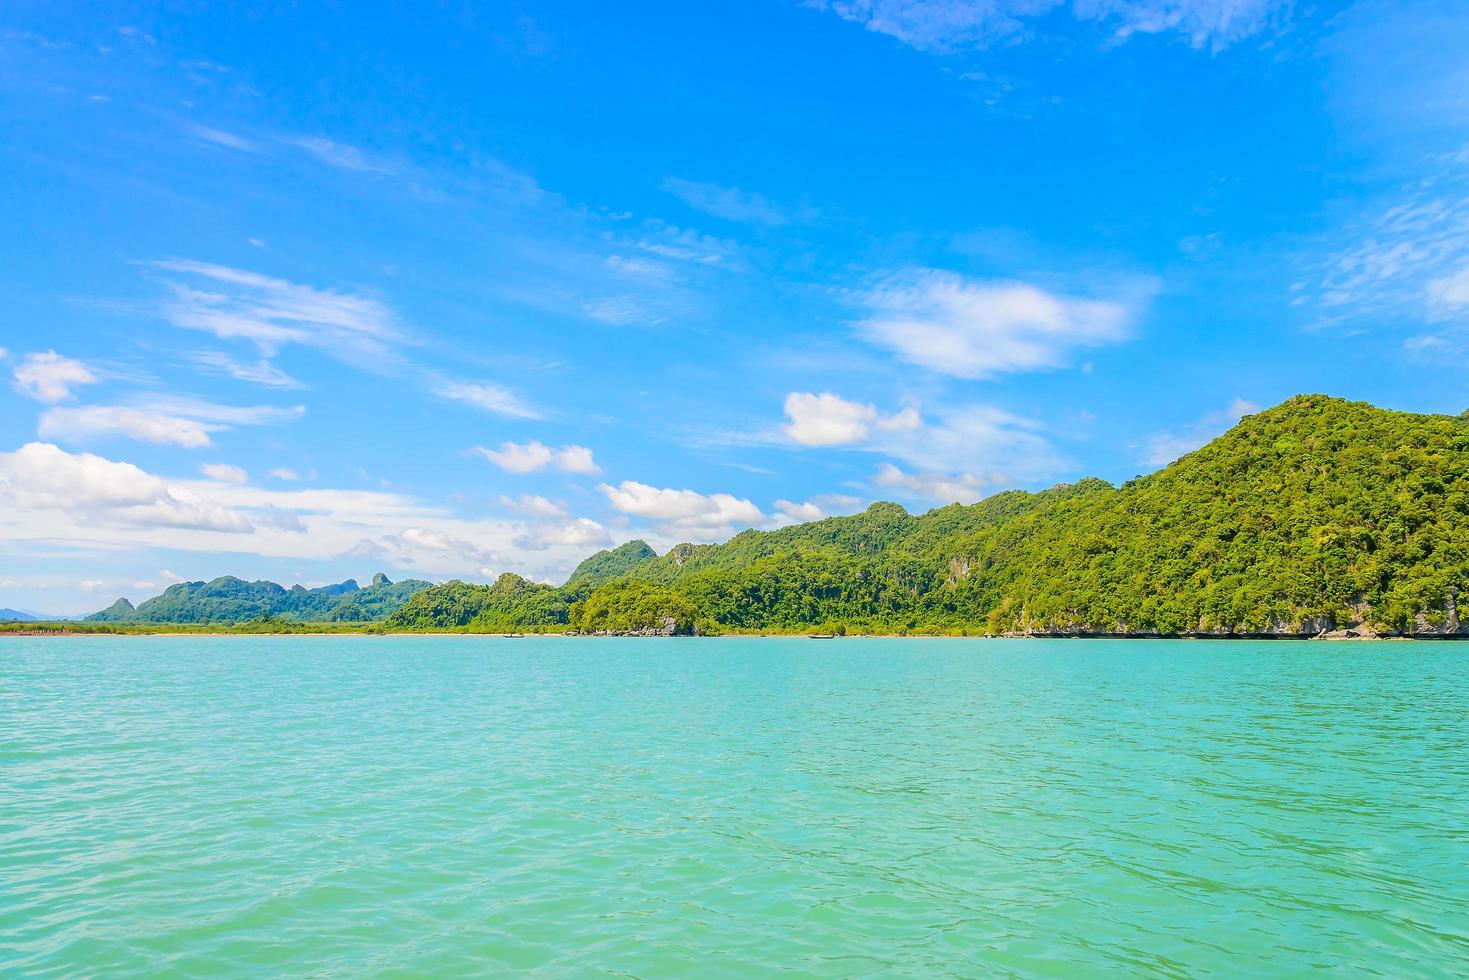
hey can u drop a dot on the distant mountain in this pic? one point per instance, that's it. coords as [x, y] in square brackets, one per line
[18, 615]
[1316, 516]
[605, 566]
[231, 600]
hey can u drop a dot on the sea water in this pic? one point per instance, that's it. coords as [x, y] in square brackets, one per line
[348, 806]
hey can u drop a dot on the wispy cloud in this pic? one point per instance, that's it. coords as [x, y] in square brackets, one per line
[488, 397]
[948, 488]
[978, 328]
[729, 203]
[271, 313]
[533, 457]
[1410, 260]
[237, 304]
[262, 372]
[225, 472]
[343, 155]
[220, 137]
[1162, 448]
[532, 505]
[185, 422]
[950, 25]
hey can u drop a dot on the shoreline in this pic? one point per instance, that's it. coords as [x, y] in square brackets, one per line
[368, 632]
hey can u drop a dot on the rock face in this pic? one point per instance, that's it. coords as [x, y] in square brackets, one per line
[667, 626]
[380, 579]
[958, 570]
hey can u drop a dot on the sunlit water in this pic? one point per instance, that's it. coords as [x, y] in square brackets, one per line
[437, 805]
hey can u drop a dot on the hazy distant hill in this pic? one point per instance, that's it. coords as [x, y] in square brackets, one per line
[1317, 514]
[18, 615]
[231, 600]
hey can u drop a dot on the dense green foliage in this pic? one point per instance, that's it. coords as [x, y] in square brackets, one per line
[511, 605]
[1315, 514]
[231, 600]
[266, 625]
[626, 606]
[605, 566]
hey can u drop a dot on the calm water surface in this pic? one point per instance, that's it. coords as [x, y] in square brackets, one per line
[367, 806]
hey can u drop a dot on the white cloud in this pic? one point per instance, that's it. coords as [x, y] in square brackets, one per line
[695, 515]
[999, 446]
[947, 25]
[99, 421]
[963, 488]
[96, 490]
[142, 513]
[532, 505]
[177, 421]
[280, 519]
[1215, 24]
[49, 377]
[225, 472]
[262, 372]
[220, 137]
[1162, 448]
[236, 304]
[284, 473]
[532, 457]
[198, 408]
[790, 512]
[168, 576]
[582, 533]
[411, 545]
[978, 329]
[489, 397]
[729, 203]
[830, 420]
[1448, 294]
[342, 155]
[623, 311]
[1412, 258]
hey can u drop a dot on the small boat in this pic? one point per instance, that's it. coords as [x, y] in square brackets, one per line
[821, 636]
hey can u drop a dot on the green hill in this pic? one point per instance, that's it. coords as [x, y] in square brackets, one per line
[605, 566]
[1316, 515]
[231, 600]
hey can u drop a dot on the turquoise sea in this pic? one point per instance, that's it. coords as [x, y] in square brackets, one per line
[352, 806]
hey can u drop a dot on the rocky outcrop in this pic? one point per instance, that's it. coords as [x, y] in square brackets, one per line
[667, 626]
[958, 570]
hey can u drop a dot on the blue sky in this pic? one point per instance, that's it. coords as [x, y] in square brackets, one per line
[307, 292]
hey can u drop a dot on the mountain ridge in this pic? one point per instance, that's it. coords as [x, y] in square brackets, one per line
[228, 599]
[1317, 516]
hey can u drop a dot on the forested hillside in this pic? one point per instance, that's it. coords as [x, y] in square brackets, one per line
[231, 600]
[1315, 515]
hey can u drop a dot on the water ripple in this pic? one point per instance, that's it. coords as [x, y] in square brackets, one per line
[363, 806]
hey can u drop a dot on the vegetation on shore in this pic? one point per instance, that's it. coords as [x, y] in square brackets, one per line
[1317, 515]
[231, 600]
